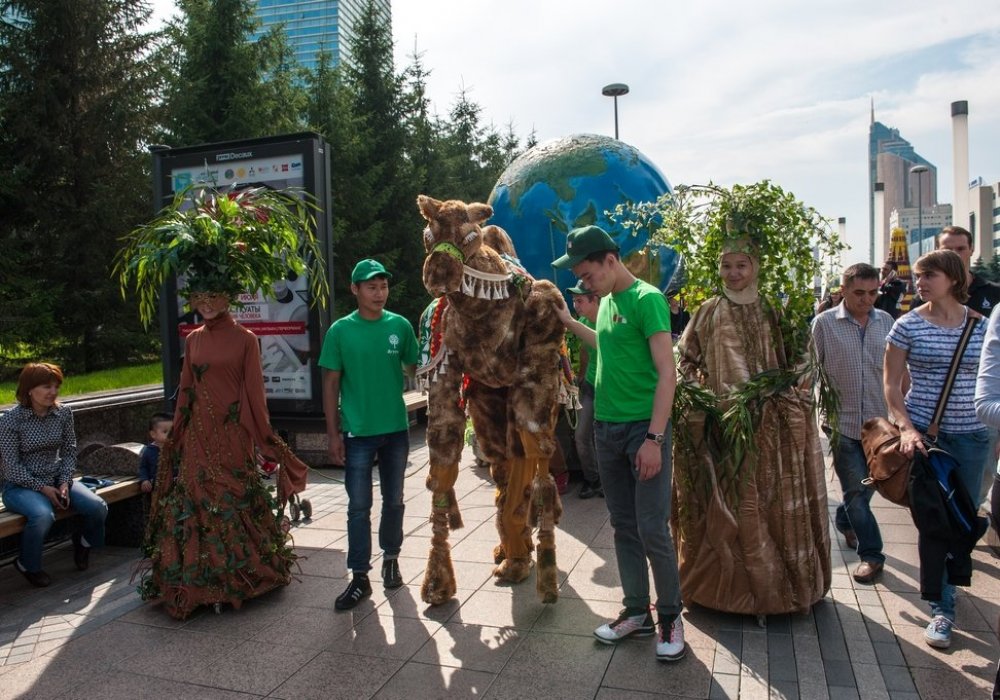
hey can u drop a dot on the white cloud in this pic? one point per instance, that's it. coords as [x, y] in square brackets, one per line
[732, 92]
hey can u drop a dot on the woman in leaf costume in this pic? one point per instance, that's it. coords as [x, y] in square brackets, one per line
[752, 522]
[750, 511]
[216, 531]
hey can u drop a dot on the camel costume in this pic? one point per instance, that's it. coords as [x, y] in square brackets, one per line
[751, 537]
[496, 349]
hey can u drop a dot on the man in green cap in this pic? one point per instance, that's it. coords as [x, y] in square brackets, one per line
[634, 393]
[364, 355]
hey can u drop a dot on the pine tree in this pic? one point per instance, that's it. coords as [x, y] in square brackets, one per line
[424, 156]
[993, 269]
[77, 100]
[224, 86]
[380, 215]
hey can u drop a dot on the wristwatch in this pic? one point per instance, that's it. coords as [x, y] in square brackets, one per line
[655, 437]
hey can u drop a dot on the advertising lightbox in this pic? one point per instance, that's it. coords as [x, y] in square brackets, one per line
[288, 325]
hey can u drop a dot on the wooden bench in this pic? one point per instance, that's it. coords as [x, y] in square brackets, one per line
[414, 400]
[124, 487]
[118, 463]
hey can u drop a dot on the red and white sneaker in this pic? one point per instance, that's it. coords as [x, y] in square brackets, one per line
[640, 625]
[670, 640]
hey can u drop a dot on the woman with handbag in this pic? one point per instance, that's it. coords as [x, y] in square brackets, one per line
[921, 345]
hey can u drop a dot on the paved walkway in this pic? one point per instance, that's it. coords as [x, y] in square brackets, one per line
[89, 636]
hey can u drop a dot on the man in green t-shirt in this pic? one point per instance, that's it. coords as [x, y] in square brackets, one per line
[633, 397]
[585, 303]
[364, 355]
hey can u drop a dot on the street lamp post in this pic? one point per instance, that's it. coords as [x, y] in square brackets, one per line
[615, 90]
[919, 171]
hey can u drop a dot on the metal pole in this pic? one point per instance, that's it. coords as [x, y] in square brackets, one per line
[919, 171]
[920, 209]
[615, 90]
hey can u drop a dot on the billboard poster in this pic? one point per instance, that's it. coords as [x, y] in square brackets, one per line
[288, 327]
[280, 323]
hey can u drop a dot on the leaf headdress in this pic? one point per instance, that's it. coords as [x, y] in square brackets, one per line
[228, 243]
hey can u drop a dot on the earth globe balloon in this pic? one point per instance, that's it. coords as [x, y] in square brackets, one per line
[574, 181]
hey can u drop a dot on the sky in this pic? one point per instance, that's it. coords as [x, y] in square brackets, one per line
[723, 91]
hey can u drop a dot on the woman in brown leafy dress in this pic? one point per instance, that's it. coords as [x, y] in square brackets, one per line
[751, 527]
[216, 531]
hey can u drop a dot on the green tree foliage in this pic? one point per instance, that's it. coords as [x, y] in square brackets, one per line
[223, 86]
[993, 269]
[378, 211]
[979, 268]
[784, 234]
[87, 88]
[77, 101]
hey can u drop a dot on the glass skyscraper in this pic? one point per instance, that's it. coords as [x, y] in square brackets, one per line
[890, 158]
[313, 26]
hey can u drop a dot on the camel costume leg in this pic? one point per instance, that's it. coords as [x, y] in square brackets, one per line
[488, 408]
[445, 433]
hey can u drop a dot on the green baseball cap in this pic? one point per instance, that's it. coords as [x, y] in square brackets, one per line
[368, 268]
[584, 241]
[579, 289]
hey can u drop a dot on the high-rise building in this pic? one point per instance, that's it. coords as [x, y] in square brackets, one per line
[890, 158]
[921, 228]
[313, 26]
[984, 217]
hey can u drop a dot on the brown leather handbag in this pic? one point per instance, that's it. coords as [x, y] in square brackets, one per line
[888, 468]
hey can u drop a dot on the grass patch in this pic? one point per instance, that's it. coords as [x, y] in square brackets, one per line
[103, 380]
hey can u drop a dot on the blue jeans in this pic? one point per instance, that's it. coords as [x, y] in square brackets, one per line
[392, 450]
[37, 508]
[640, 516]
[969, 450]
[584, 433]
[855, 513]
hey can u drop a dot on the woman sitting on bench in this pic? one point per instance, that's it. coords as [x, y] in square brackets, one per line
[38, 445]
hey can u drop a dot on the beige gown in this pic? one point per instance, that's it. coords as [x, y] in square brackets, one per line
[751, 538]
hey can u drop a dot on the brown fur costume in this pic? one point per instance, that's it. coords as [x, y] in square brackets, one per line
[505, 336]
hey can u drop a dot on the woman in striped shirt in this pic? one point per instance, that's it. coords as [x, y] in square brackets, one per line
[923, 342]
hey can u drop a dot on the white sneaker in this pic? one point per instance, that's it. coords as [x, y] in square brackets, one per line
[670, 640]
[938, 632]
[626, 625]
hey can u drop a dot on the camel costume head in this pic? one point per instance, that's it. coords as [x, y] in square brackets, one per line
[499, 331]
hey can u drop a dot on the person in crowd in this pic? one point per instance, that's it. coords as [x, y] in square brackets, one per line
[364, 356]
[983, 296]
[159, 430]
[679, 316]
[832, 299]
[633, 396]
[920, 347]
[38, 450]
[217, 517]
[585, 303]
[891, 289]
[849, 342]
[987, 399]
[746, 545]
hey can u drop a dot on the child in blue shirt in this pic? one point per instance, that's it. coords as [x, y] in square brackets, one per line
[159, 429]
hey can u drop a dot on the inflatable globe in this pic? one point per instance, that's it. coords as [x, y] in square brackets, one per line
[574, 181]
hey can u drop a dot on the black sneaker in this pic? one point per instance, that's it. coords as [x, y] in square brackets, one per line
[357, 590]
[588, 490]
[391, 577]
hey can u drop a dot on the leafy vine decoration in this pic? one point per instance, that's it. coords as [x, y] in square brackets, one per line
[793, 244]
